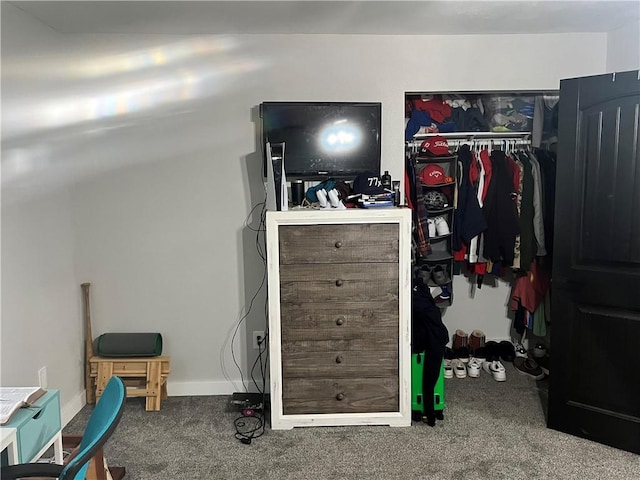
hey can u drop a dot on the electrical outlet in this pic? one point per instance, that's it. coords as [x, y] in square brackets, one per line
[258, 339]
[42, 377]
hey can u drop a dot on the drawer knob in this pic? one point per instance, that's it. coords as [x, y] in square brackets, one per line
[338, 244]
[340, 396]
[338, 283]
[339, 359]
[340, 321]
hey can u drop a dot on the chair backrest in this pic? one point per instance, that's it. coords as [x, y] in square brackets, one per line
[102, 423]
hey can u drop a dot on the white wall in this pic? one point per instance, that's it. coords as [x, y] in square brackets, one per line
[623, 48]
[154, 140]
[41, 322]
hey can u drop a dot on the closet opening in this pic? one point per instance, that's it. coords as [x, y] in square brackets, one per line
[496, 153]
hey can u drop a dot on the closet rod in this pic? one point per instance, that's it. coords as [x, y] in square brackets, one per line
[474, 135]
[489, 142]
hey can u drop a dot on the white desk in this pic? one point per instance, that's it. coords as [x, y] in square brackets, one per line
[9, 441]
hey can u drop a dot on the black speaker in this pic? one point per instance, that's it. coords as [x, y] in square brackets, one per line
[297, 192]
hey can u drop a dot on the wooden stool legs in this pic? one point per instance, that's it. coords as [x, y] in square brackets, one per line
[144, 377]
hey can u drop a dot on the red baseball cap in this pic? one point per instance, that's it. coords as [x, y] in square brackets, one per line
[435, 146]
[432, 174]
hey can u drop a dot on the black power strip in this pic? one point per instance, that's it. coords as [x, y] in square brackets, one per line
[244, 400]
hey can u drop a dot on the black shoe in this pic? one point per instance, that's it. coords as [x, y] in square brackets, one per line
[543, 363]
[507, 351]
[529, 367]
[439, 275]
[480, 353]
[462, 353]
[492, 351]
[448, 354]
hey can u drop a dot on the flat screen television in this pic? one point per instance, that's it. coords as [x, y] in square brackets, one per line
[324, 139]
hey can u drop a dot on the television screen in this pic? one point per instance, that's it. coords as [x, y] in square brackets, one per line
[324, 139]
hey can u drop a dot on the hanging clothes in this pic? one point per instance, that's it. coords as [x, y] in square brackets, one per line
[528, 247]
[547, 161]
[468, 219]
[538, 221]
[500, 213]
[517, 171]
[528, 296]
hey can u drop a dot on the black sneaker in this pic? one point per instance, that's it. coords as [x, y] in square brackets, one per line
[448, 354]
[543, 363]
[462, 353]
[507, 351]
[480, 354]
[491, 350]
[529, 367]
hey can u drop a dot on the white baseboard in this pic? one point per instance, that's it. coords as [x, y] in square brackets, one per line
[174, 389]
[190, 389]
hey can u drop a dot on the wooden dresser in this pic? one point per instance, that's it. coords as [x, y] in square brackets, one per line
[339, 317]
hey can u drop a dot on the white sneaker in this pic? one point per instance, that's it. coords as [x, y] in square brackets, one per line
[442, 227]
[448, 368]
[322, 198]
[459, 368]
[473, 367]
[496, 369]
[431, 225]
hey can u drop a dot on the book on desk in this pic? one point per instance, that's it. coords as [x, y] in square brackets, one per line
[14, 398]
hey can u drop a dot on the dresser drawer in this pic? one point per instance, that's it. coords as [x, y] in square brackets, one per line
[361, 395]
[339, 243]
[36, 425]
[338, 320]
[334, 283]
[340, 364]
[308, 341]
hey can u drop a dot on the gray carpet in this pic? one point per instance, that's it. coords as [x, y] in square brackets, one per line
[490, 431]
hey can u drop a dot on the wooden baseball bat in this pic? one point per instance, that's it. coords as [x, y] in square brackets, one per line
[88, 344]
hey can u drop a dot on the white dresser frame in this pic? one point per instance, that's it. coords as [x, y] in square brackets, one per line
[400, 216]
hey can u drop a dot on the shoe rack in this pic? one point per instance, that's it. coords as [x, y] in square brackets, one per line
[436, 268]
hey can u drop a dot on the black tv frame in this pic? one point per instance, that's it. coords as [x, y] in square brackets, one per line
[374, 166]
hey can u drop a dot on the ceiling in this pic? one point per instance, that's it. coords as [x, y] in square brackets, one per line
[333, 17]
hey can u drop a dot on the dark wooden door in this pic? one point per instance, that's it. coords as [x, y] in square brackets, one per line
[595, 386]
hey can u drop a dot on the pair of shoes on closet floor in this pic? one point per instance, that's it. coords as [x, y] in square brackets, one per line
[496, 369]
[477, 360]
[492, 364]
[529, 367]
[453, 365]
[459, 368]
[449, 357]
[474, 367]
[477, 340]
[460, 345]
[507, 351]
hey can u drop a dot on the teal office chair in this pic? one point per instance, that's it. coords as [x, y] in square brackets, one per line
[101, 425]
